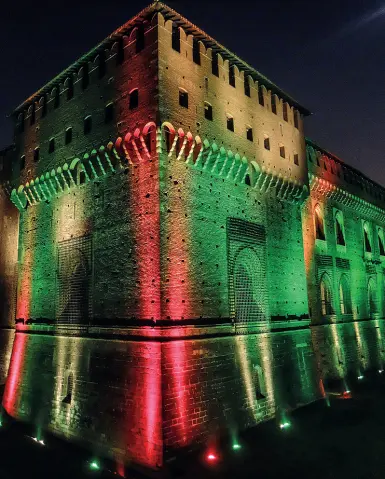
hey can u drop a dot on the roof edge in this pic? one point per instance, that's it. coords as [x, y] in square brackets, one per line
[166, 11]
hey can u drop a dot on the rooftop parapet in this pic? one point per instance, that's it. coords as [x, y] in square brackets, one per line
[111, 45]
[331, 169]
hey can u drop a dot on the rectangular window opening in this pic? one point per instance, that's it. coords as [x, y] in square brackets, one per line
[273, 103]
[208, 111]
[51, 145]
[232, 76]
[214, 64]
[230, 123]
[109, 113]
[36, 154]
[196, 52]
[183, 98]
[68, 135]
[134, 99]
[175, 38]
[87, 124]
[261, 97]
[249, 133]
[247, 86]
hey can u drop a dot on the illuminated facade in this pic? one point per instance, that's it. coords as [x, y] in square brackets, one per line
[180, 262]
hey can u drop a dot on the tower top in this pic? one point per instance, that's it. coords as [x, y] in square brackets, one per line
[168, 14]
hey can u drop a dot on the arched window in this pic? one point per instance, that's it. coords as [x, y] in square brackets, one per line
[134, 99]
[339, 223]
[367, 238]
[372, 298]
[381, 242]
[345, 298]
[109, 112]
[326, 296]
[87, 124]
[68, 135]
[319, 223]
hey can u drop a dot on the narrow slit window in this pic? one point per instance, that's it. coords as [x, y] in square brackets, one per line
[266, 143]
[340, 235]
[296, 122]
[87, 124]
[282, 151]
[51, 145]
[249, 133]
[215, 64]
[109, 113]
[230, 122]
[183, 98]
[196, 52]
[68, 135]
[319, 224]
[246, 86]
[285, 113]
[208, 111]
[232, 75]
[175, 38]
[134, 99]
[367, 242]
[261, 97]
[273, 103]
[381, 243]
[36, 154]
[296, 159]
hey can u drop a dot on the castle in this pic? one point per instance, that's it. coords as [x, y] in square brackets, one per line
[177, 261]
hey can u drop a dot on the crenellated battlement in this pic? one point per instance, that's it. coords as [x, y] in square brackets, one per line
[330, 171]
[128, 41]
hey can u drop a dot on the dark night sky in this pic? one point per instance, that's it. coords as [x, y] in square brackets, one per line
[328, 54]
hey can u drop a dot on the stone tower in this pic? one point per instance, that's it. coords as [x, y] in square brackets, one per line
[164, 247]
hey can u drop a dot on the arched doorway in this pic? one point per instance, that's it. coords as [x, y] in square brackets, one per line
[249, 285]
